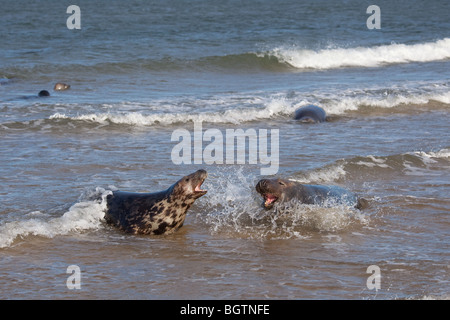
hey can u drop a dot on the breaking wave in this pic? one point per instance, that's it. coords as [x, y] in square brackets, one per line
[280, 59]
[364, 56]
[268, 108]
[87, 214]
[361, 167]
[252, 109]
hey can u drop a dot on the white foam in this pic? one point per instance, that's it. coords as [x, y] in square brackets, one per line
[330, 217]
[364, 56]
[374, 162]
[427, 156]
[235, 208]
[428, 159]
[326, 174]
[84, 215]
[270, 108]
[228, 110]
[353, 100]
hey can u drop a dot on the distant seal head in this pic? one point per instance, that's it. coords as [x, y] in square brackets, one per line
[310, 114]
[61, 86]
[43, 93]
[155, 213]
[282, 190]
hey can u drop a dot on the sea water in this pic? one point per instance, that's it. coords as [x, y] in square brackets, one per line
[141, 70]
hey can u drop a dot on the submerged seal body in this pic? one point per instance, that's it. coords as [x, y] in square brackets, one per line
[282, 190]
[155, 213]
[61, 86]
[310, 114]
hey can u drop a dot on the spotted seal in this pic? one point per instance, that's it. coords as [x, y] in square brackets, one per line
[310, 114]
[282, 190]
[155, 213]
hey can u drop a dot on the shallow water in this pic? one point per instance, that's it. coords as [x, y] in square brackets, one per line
[140, 72]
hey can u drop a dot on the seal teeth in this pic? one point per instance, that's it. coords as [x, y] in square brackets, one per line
[269, 199]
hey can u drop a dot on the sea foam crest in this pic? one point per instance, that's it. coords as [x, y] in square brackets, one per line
[441, 154]
[237, 109]
[84, 215]
[273, 107]
[364, 56]
[350, 101]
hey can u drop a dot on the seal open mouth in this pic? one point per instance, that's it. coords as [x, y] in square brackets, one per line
[270, 199]
[198, 187]
[200, 177]
[269, 191]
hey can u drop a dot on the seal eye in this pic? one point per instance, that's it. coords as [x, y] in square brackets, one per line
[281, 183]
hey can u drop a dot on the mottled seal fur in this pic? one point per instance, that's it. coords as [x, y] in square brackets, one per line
[155, 213]
[310, 114]
[61, 86]
[282, 190]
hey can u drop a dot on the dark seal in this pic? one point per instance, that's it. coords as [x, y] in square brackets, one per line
[155, 213]
[281, 190]
[43, 93]
[310, 114]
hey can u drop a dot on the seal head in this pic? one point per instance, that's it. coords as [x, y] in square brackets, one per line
[161, 212]
[43, 93]
[310, 114]
[281, 190]
[61, 86]
[276, 190]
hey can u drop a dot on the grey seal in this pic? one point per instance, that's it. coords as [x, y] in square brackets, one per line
[156, 213]
[43, 93]
[282, 190]
[61, 86]
[310, 114]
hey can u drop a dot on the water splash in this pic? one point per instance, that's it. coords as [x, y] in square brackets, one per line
[86, 214]
[233, 208]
